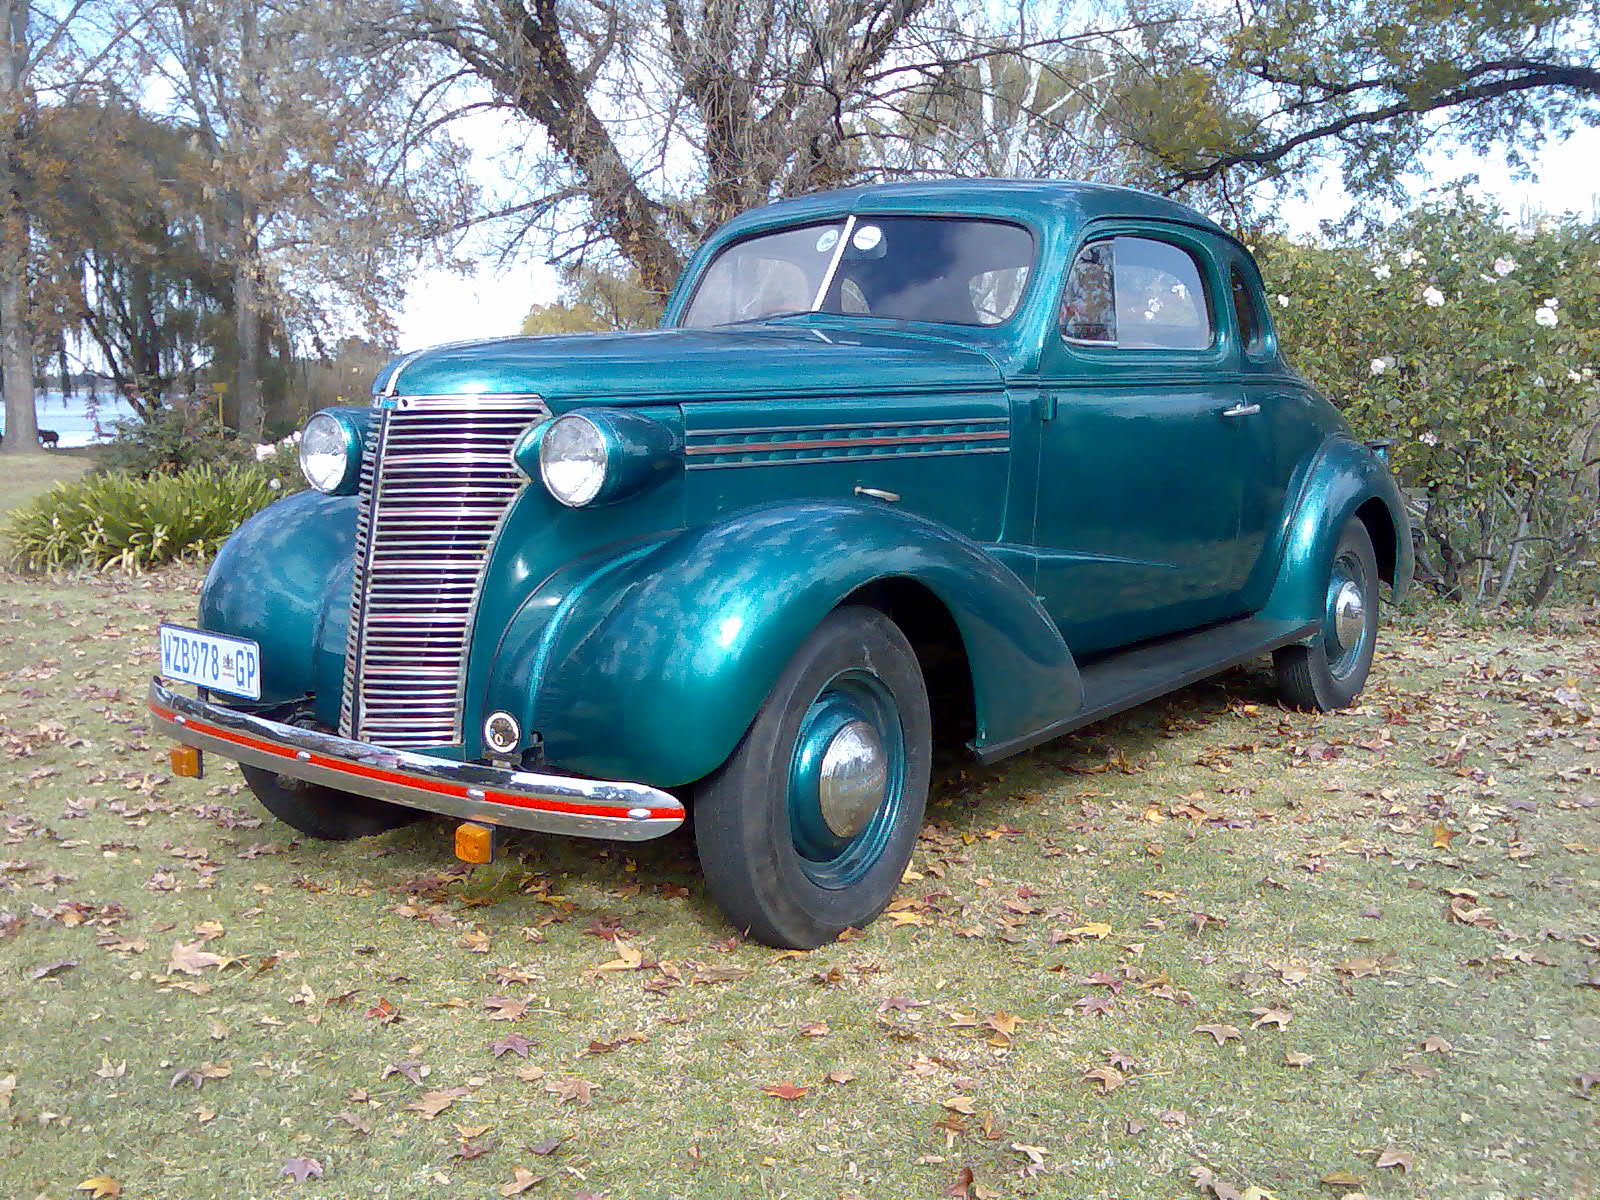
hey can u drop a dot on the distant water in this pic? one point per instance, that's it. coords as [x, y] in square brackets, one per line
[71, 416]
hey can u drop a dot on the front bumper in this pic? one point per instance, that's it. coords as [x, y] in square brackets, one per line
[630, 812]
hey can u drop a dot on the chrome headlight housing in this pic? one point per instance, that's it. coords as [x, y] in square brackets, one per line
[574, 454]
[596, 456]
[330, 453]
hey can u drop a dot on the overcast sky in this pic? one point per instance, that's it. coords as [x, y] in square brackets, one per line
[441, 306]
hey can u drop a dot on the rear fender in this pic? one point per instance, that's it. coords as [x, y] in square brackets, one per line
[1343, 479]
[651, 664]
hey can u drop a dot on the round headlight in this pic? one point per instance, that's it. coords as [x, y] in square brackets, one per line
[572, 459]
[328, 453]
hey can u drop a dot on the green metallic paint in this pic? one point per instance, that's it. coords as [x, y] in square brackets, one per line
[784, 358]
[657, 664]
[1341, 478]
[277, 580]
[639, 638]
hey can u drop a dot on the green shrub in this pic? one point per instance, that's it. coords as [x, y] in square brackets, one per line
[1476, 344]
[123, 521]
[172, 438]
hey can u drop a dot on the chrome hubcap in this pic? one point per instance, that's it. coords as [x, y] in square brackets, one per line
[1349, 615]
[852, 779]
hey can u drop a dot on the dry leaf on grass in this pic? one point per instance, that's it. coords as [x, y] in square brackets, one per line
[573, 1089]
[1395, 1158]
[521, 1180]
[1272, 1015]
[191, 959]
[1109, 1078]
[301, 1169]
[504, 1008]
[433, 1103]
[785, 1091]
[1223, 1033]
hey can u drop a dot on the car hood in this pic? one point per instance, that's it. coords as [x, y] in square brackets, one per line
[703, 364]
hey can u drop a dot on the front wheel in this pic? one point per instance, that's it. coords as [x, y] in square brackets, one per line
[1330, 673]
[323, 812]
[806, 830]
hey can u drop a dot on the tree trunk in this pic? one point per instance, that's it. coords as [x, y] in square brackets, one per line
[16, 327]
[247, 326]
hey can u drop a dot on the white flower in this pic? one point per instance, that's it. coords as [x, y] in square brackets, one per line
[1574, 377]
[274, 484]
[1409, 257]
[1379, 366]
[1283, 301]
[1432, 297]
[1546, 316]
[1383, 270]
[1504, 266]
[1429, 439]
[265, 450]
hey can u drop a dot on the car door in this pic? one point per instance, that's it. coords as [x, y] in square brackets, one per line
[1144, 441]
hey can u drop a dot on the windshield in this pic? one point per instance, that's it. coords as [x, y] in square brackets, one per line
[949, 270]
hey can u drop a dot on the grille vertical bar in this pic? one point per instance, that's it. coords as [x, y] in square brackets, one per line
[433, 493]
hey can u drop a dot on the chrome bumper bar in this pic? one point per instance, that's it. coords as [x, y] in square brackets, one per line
[630, 812]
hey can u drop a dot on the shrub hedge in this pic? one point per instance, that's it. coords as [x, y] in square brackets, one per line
[121, 521]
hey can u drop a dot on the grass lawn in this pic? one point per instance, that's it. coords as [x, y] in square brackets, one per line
[1306, 956]
[28, 475]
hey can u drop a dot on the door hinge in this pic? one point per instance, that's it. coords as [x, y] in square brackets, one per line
[1045, 406]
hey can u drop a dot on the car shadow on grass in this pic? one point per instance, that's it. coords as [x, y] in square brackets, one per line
[965, 799]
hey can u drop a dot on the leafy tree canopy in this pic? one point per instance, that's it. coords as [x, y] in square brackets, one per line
[1273, 89]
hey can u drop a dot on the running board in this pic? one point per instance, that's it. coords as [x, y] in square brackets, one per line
[1127, 678]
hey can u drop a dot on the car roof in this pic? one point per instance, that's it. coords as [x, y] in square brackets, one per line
[1002, 198]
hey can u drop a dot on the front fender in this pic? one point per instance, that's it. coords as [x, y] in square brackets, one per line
[1343, 478]
[650, 664]
[276, 581]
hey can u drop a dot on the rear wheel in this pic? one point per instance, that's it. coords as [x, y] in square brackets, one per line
[806, 830]
[324, 812]
[1330, 673]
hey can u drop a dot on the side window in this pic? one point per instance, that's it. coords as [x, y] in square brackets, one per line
[1088, 309]
[1247, 304]
[1137, 294]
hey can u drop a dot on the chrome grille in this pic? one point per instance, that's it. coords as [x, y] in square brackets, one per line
[435, 484]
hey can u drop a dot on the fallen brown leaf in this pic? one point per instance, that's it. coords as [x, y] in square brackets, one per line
[521, 1180]
[1272, 1015]
[1395, 1158]
[785, 1091]
[301, 1169]
[1223, 1033]
[432, 1104]
[1109, 1078]
[191, 959]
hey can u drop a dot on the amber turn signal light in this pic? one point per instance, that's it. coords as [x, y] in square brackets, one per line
[474, 842]
[185, 761]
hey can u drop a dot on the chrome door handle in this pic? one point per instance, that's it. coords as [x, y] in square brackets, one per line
[878, 494]
[1242, 409]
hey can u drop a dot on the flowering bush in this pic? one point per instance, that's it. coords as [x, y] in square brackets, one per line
[1476, 345]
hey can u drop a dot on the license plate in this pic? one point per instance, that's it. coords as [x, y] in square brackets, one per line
[225, 664]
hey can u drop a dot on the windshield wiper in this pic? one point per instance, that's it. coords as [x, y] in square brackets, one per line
[772, 316]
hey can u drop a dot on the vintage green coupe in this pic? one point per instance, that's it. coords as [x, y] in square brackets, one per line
[974, 461]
